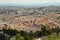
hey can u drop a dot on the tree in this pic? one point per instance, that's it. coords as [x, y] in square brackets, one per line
[7, 37]
[2, 37]
[43, 30]
[19, 37]
[23, 33]
[10, 32]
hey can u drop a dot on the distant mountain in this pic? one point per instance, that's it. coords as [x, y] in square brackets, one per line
[31, 4]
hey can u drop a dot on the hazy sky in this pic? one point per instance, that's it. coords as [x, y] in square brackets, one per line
[28, 1]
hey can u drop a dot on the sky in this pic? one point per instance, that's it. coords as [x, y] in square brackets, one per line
[28, 1]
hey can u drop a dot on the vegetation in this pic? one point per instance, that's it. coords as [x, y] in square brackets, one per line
[57, 11]
[19, 37]
[53, 37]
[23, 35]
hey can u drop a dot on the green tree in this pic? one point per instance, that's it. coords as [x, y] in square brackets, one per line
[10, 32]
[2, 37]
[19, 37]
[7, 37]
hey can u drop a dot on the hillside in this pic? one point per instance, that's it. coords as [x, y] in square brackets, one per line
[28, 19]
